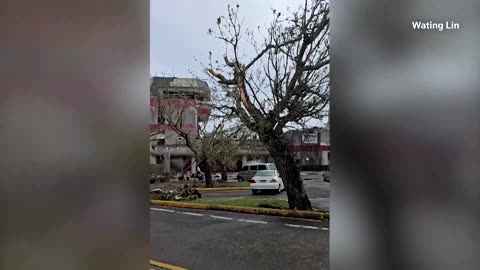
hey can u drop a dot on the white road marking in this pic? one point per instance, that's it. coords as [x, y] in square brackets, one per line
[252, 221]
[310, 227]
[191, 214]
[163, 210]
[301, 226]
[241, 220]
[219, 217]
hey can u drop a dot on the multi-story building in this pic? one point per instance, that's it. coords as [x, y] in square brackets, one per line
[168, 151]
[311, 149]
[188, 97]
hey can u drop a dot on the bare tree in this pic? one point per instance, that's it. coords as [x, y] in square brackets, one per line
[285, 82]
[211, 142]
[228, 143]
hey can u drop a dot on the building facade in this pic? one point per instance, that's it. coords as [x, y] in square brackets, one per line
[186, 98]
[311, 147]
[169, 153]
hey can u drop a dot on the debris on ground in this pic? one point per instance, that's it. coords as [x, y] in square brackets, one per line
[175, 193]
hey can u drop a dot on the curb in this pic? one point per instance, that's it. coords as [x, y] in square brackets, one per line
[222, 188]
[165, 265]
[323, 216]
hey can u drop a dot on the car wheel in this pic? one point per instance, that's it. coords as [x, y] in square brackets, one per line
[240, 179]
[254, 191]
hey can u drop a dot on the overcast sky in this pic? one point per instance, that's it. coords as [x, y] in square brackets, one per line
[178, 30]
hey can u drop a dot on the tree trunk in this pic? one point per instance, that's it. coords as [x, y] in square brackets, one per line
[208, 174]
[290, 174]
[223, 173]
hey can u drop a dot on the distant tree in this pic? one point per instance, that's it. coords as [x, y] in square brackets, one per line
[212, 142]
[285, 83]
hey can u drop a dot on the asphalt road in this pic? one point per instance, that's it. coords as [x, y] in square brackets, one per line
[318, 192]
[211, 240]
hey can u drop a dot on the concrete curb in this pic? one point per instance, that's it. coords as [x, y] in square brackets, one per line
[323, 216]
[165, 265]
[222, 188]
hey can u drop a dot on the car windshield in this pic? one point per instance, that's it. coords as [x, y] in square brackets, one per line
[265, 173]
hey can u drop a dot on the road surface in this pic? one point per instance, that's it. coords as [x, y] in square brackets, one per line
[318, 192]
[211, 240]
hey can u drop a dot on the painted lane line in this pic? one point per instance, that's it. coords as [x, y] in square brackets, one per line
[252, 221]
[191, 214]
[301, 226]
[325, 229]
[163, 210]
[219, 217]
[310, 227]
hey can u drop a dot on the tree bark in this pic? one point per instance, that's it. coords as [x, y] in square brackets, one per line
[290, 174]
[223, 173]
[208, 174]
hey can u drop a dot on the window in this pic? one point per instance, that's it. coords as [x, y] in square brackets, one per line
[245, 168]
[253, 168]
[265, 173]
[272, 167]
[262, 167]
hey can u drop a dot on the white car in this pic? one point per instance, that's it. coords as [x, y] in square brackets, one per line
[216, 177]
[266, 180]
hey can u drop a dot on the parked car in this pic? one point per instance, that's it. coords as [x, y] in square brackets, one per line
[267, 180]
[216, 177]
[249, 170]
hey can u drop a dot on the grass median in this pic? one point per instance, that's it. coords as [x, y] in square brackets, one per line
[259, 203]
[236, 184]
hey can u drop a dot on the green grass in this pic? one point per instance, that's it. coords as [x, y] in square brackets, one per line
[237, 184]
[262, 203]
